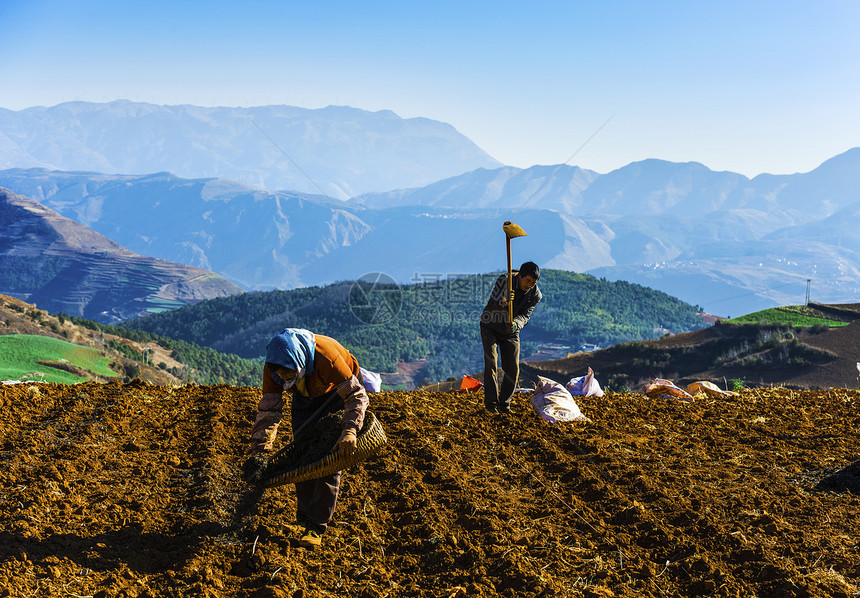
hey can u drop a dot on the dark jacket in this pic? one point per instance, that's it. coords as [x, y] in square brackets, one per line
[495, 314]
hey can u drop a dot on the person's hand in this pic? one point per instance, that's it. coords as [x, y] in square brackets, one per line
[347, 442]
[513, 295]
[513, 327]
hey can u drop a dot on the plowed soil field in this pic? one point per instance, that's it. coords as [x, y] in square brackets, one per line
[135, 490]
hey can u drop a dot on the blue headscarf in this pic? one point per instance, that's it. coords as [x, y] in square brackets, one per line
[293, 348]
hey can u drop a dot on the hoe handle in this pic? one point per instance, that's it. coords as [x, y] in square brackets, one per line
[510, 283]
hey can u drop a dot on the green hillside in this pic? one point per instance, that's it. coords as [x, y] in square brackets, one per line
[37, 345]
[799, 316]
[201, 365]
[434, 320]
[33, 357]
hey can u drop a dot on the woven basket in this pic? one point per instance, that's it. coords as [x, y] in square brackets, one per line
[370, 440]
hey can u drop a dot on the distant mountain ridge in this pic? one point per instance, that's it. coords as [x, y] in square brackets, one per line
[63, 266]
[258, 239]
[649, 187]
[550, 187]
[731, 244]
[264, 240]
[717, 239]
[344, 151]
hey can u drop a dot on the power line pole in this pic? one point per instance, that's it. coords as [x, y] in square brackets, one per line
[808, 280]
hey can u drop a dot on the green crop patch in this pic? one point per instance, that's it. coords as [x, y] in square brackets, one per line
[31, 357]
[797, 316]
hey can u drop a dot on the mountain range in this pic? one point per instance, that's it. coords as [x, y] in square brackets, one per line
[65, 267]
[337, 151]
[266, 240]
[715, 239]
[719, 240]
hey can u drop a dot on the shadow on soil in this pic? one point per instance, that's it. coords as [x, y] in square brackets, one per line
[846, 479]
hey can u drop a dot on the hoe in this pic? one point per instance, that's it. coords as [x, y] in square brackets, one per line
[511, 231]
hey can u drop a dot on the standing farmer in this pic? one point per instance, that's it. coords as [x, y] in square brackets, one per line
[322, 377]
[497, 331]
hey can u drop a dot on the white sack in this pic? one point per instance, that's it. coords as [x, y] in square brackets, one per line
[372, 380]
[585, 386]
[710, 389]
[553, 403]
[661, 388]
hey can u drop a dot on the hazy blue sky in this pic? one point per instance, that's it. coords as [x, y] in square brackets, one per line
[748, 86]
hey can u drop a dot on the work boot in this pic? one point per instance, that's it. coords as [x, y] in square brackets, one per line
[311, 539]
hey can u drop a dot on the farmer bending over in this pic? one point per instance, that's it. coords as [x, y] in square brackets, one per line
[496, 331]
[319, 373]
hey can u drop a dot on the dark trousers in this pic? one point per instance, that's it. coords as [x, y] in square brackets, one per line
[496, 397]
[315, 499]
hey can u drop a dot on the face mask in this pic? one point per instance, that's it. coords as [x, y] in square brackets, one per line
[286, 383]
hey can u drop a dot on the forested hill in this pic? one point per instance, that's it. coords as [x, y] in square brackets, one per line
[432, 319]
